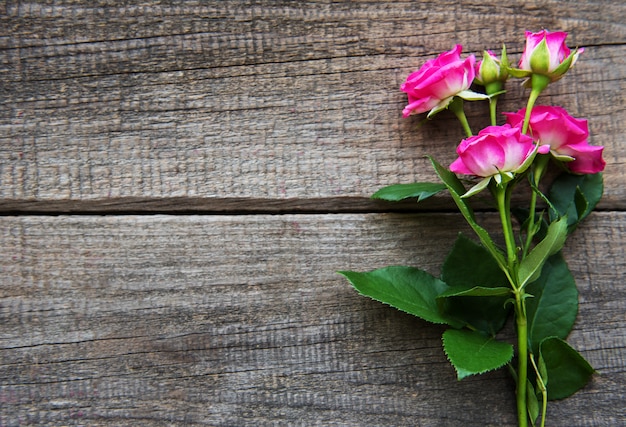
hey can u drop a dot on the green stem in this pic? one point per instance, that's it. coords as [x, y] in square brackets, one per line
[529, 108]
[538, 169]
[456, 106]
[503, 197]
[492, 110]
[530, 232]
[544, 407]
[538, 84]
[522, 357]
[493, 89]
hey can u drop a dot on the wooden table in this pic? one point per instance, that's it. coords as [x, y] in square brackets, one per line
[179, 182]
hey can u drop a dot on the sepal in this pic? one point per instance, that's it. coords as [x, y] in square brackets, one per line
[482, 184]
[470, 95]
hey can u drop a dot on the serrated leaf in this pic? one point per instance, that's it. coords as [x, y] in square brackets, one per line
[563, 196]
[476, 291]
[420, 190]
[467, 266]
[567, 370]
[530, 267]
[457, 190]
[474, 353]
[552, 310]
[406, 288]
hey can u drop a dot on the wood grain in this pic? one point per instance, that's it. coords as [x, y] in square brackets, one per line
[262, 101]
[242, 320]
[263, 126]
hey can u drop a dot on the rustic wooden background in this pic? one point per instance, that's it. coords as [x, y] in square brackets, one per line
[180, 180]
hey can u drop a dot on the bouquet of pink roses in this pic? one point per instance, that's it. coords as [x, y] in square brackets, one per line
[481, 283]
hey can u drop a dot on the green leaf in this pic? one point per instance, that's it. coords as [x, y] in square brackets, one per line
[469, 267]
[457, 190]
[469, 264]
[405, 288]
[580, 201]
[567, 369]
[532, 403]
[449, 179]
[476, 291]
[474, 353]
[530, 267]
[397, 192]
[568, 192]
[553, 310]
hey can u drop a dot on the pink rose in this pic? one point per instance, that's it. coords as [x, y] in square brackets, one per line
[546, 54]
[556, 132]
[432, 87]
[495, 150]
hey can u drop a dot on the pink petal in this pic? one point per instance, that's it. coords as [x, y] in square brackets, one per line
[459, 167]
[587, 158]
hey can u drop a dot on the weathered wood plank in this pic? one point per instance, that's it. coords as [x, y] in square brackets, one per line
[256, 107]
[241, 320]
[261, 101]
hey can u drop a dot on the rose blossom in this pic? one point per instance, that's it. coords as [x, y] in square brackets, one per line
[562, 135]
[494, 150]
[433, 86]
[546, 54]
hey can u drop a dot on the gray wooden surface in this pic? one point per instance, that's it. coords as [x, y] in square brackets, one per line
[179, 182]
